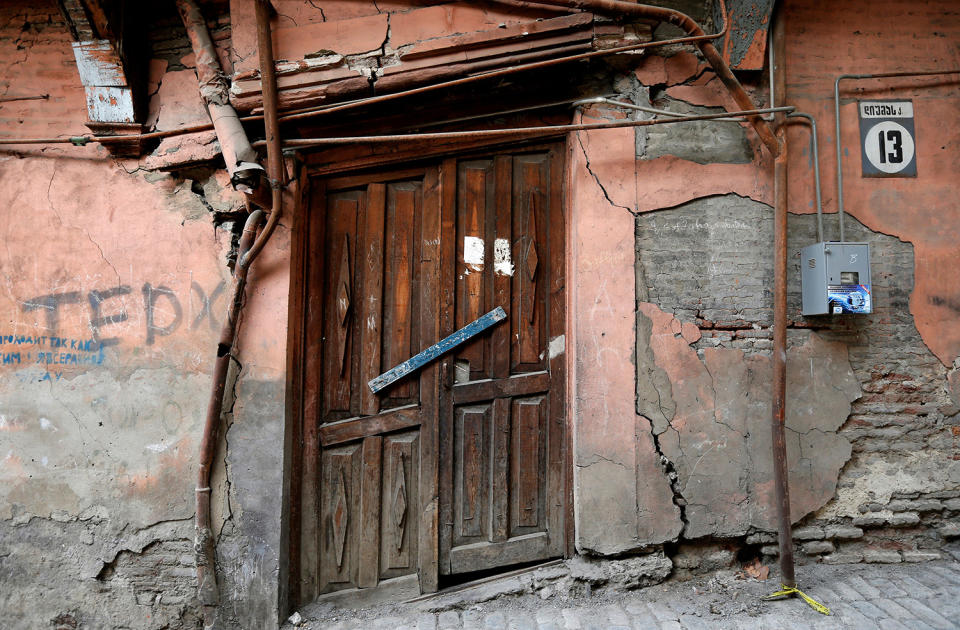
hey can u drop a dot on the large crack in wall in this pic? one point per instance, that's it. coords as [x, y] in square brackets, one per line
[703, 344]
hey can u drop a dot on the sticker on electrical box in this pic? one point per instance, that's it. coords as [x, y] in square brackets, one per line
[849, 298]
[887, 138]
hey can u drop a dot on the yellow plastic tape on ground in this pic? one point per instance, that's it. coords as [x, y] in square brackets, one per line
[789, 591]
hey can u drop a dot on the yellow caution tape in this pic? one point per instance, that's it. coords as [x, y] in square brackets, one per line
[789, 591]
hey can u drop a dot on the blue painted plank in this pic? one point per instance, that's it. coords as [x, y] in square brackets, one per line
[417, 361]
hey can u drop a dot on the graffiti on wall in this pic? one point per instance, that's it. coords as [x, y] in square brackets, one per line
[111, 314]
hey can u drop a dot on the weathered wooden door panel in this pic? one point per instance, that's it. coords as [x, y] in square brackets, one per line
[502, 427]
[458, 467]
[401, 468]
[370, 263]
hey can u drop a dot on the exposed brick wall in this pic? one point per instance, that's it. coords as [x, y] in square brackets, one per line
[708, 261]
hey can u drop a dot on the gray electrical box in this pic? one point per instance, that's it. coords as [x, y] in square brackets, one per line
[835, 278]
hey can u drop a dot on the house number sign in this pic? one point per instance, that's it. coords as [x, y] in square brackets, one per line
[887, 139]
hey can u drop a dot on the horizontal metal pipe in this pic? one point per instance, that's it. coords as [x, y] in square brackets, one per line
[503, 112]
[306, 113]
[621, 9]
[75, 140]
[38, 97]
[649, 110]
[546, 130]
[836, 114]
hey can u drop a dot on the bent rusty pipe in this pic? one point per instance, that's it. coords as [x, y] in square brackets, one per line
[619, 8]
[205, 552]
[240, 157]
[815, 155]
[275, 171]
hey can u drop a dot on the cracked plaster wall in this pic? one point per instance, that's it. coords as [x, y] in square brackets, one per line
[113, 283]
[872, 410]
[113, 496]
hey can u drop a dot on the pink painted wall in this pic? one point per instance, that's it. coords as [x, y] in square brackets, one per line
[612, 444]
[113, 288]
[887, 36]
[109, 444]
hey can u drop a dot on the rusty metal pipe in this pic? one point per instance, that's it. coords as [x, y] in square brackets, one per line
[526, 132]
[541, 6]
[275, 171]
[778, 430]
[38, 97]
[78, 141]
[619, 8]
[204, 546]
[240, 157]
[779, 359]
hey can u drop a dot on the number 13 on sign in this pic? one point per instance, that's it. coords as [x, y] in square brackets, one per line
[889, 146]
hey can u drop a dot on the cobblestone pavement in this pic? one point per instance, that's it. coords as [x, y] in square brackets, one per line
[891, 597]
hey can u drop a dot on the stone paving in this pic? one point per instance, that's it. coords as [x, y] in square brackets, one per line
[919, 596]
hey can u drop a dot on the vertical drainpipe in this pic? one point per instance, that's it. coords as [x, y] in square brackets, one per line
[245, 175]
[778, 431]
[204, 545]
[777, 146]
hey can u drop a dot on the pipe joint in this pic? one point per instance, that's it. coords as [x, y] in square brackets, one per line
[246, 177]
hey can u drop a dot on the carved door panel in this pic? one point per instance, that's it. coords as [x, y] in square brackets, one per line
[503, 417]
[458, 467]
[372, 270]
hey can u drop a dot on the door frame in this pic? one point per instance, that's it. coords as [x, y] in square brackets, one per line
[363, 160]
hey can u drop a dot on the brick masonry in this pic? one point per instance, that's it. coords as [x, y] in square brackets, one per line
[97, 468]
[706, 262]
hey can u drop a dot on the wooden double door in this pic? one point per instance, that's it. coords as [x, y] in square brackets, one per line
[460, 466]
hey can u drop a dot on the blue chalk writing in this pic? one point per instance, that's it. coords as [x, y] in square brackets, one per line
[63, 350]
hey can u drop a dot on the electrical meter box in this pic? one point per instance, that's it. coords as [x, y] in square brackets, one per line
[835, 278]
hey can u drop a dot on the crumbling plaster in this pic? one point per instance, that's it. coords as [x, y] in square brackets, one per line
[103, 527]
[113, 288]
[841, 434]
[709, 397]
[913, 209]
[102, 389]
